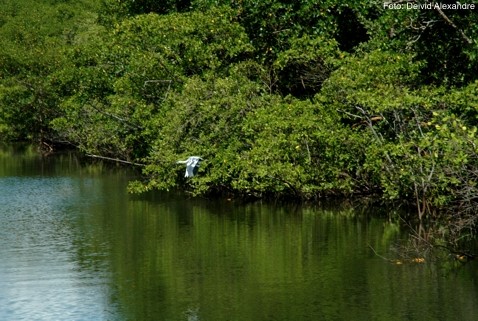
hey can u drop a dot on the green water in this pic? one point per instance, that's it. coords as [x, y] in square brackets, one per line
[75, 246]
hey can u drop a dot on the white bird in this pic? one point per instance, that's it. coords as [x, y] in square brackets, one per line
[192, 165]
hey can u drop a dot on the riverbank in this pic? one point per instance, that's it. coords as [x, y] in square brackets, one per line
[440, 235]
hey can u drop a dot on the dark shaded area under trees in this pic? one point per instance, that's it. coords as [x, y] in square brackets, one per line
[301, 99]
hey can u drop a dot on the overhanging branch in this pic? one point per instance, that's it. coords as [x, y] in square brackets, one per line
[444, 16]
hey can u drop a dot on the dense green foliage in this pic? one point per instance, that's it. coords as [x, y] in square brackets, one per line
[292, 98]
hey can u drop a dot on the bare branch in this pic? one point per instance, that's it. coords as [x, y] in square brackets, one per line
[156, 81]
[443, 15]
[115, 160]
[118, 118]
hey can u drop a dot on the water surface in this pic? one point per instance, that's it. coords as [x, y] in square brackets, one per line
[75, 246]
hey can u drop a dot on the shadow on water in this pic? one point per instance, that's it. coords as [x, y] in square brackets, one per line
[75, 246]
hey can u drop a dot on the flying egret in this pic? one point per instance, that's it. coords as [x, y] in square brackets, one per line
[192, 165]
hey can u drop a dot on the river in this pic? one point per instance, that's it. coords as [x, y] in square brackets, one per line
[75, 246]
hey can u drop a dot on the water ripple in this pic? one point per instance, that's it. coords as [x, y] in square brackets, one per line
[42, 276]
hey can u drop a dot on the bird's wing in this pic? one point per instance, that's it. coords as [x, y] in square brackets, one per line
[193, 161]
[189, 171]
